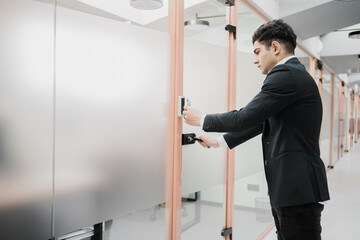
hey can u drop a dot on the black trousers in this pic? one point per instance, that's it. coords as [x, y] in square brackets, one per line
[298, 222]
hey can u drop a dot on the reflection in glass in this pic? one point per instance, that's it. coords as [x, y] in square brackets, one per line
[146, 224]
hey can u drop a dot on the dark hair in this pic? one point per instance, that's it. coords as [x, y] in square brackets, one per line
[276, 30]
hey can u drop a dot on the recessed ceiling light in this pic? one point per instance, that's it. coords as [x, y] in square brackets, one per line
[146, 4]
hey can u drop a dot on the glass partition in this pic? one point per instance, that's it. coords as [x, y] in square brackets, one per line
[326, 124]
[26, 118]
[251, 203]
[112, 103]
[336, 125]
[205, 84]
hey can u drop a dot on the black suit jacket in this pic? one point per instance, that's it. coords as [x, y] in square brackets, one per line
[288, 113]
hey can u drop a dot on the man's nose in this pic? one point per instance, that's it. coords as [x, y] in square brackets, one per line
[256, 61]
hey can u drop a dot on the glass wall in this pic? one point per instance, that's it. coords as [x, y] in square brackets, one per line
[112, 102]
[26, 118]
[205, 84]
[326, 124]
[336, 122]
[251, 203]
[84, 104]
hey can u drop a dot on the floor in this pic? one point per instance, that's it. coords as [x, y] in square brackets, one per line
[201, 219]
[341, 215]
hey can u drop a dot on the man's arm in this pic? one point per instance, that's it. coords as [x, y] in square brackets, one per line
[235, 139]
[231, 140]
[278, 92]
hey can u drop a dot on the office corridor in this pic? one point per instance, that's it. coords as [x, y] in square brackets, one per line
[341, 216]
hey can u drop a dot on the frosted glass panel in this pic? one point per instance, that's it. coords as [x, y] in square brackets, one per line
[111, 119]
[205, 84]
[26, 100]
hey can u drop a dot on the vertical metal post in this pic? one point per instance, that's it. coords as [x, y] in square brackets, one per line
[341, 118]
[352, 118]
[339, 121]
[320, 81]
[346, 118]
[312, 66]
[176, 30]
[320, 92]
[231, 18]
[331, 121]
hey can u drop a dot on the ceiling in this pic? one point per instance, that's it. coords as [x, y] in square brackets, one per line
[327, 20]
[332, 21]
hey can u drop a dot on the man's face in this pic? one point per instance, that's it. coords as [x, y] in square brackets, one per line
[264, 58]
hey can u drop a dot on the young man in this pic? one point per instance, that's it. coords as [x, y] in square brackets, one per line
[288, 113]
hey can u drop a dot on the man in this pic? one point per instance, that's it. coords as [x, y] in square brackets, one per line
[288, 113]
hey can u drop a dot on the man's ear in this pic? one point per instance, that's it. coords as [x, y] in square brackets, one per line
[276, 46]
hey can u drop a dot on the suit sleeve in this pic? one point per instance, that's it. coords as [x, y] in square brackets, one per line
[278, 92]
[234, 139]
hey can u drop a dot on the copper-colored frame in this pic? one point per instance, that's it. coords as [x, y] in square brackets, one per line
[173, 206]
[352, 118]
[341, 120]
[342, 117]
[346, 118]
[312, 66]
[228, 203]
[332, 79]
[320, 92]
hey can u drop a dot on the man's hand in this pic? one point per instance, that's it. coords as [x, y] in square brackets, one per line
[192, 116]
[208, 141]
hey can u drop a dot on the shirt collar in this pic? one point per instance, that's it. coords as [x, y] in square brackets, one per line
[285, 60]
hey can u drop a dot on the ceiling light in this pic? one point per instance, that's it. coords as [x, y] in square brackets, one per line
[196, 24]
[146, 4]
[354, 35]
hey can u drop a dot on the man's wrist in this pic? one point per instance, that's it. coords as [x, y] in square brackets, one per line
[222, 142]
[202, 119]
